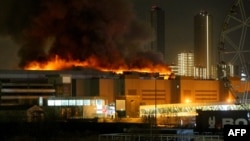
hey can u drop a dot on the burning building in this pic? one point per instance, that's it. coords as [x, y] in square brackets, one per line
[79, 56]
[90, 93]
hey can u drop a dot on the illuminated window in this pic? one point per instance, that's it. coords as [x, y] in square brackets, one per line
[58, 102]
[65, 102]
[86, 102]
[51, 102]
[99, 105]
[79, 102]
[98, 102]
[72, 102]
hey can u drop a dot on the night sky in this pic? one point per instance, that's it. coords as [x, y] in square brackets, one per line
[179, 21]
[179, 24]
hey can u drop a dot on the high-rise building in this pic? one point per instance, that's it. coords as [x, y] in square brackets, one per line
[186, 64]
[203, 45]
[174, 68]
[156, 19]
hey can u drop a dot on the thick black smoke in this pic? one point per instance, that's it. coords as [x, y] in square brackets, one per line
[16, 15]
[107, 30]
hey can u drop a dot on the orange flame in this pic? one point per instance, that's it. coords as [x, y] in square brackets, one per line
[57, 63]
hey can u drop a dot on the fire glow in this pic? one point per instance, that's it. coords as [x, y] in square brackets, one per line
[57, 63]
[85, 34]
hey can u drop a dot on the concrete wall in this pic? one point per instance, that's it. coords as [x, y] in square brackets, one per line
[202, 91]
[148, 91]
[106, 87]
[85, 87]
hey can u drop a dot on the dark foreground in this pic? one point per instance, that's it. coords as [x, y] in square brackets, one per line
[62, 131]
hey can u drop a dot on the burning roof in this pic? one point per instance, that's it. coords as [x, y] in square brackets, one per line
[105, 35]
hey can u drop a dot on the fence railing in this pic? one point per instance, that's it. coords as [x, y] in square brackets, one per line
[157, 137]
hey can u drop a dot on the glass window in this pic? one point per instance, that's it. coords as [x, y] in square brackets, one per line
[93, 102]
[99, 102]
[79, 102]
[72, 102]
[51, 103]
[65, 102]
[86, 102]
[58, 102]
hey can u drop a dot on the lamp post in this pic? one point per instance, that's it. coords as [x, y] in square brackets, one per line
[155, 108]
[155, 102]
[156, 76]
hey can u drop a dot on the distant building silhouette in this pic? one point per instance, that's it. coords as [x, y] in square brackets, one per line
[156, 19]
[203, 45]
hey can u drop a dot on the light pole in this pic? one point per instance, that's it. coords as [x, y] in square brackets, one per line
[156, 76]
[155, 102]
[155, 108]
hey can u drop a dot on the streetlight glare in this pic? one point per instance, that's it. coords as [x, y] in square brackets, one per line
[187, 100]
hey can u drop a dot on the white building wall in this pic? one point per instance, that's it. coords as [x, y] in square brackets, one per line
[186, 64]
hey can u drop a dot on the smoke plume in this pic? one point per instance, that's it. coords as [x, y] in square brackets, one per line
[106, 30]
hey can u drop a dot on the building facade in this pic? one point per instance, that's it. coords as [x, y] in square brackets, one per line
[203, 45]
[186, 64]
[83, 94]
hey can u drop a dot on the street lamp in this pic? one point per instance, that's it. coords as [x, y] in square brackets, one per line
[156, 76]
[155, 101]
[155, 109]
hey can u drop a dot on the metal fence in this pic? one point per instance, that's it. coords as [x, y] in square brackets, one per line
[157, 137]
